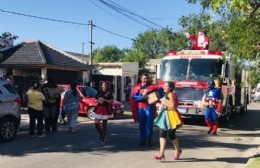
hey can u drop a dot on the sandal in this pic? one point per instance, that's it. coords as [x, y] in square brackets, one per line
[177, 155]
[159, 156]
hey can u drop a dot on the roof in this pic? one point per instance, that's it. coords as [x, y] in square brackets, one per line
[83, 57]
[38, 53]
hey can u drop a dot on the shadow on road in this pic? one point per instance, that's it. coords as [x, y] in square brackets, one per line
[123, 136]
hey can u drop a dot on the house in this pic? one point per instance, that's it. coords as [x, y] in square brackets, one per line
[119, 74]
[36, 60]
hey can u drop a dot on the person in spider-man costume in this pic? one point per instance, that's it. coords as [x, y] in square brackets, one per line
[143, 112]
[213, 104]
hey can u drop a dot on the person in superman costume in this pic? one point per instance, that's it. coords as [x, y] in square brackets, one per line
[213, 104]
[143, 112]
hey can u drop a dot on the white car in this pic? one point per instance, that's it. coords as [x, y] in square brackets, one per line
[10, 111]
[256, 95]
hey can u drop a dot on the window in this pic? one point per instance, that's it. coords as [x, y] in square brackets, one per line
[88, 91]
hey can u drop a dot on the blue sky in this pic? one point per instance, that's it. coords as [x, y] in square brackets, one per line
[69, 37]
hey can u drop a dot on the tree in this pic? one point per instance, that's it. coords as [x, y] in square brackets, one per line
[242, 31]
[155, 43]
[248, 7]
[134, 55]
[109, 53]
[203, 22]
[6, 40]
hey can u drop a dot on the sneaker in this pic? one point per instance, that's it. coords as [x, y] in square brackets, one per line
[41, 136]
[209, 131]
[214, 133]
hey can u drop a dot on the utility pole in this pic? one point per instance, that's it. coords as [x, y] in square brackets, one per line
[83, 52]
[91, 47]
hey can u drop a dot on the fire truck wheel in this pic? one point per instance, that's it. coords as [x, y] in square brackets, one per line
[228, 110]
[244, 111]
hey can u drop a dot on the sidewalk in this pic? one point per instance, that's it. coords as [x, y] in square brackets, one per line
[254, 161]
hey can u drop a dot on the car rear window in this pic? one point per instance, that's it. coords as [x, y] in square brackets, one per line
[88, 91]
[9, 88]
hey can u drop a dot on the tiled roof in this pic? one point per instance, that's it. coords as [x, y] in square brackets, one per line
[38, 53]
[83, 57]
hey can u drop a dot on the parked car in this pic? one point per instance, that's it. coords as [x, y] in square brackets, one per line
[256, 94]
[10, 111]
[88, 104]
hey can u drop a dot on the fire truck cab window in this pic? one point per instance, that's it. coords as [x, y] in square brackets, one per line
[190, 69]
[175, 69]
[204, 69]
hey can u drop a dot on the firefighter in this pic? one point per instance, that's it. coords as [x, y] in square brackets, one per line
[213, 104]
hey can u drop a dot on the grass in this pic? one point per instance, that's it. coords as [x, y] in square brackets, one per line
[255, 163]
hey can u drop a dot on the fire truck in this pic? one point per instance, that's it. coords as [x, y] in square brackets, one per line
[192, 69]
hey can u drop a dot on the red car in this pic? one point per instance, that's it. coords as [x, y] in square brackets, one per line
[87, 104]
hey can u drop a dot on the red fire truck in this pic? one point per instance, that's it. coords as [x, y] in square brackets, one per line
[192, 69]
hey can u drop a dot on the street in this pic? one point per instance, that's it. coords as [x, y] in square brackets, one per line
[235, 143]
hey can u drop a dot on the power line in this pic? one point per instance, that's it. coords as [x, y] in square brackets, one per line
[134, 14]
[164, 18]
[63, 21]
[110, 13]
[113, 33]
[124, 13]
[43, 18]
[129, 14]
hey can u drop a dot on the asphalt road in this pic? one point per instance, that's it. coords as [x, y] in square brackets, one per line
[235, 143]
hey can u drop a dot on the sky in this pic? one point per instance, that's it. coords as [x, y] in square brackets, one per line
[110, 25]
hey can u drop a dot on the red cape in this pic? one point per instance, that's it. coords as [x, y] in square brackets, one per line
[134, 103]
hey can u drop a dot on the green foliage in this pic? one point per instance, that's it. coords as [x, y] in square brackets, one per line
[254, 76]
[155, 43]
[6, 38]
[203, 22]
[134, 55]
[241, 30]
[247, 6]
[194, 23]
[236, 32]
[149, 43]
[108, 53]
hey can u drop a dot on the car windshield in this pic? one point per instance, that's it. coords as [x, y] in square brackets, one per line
[190, 69]
[88, 91]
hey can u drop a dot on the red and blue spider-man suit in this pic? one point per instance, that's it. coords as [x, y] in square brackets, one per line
[143, 112]
[213, 104]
